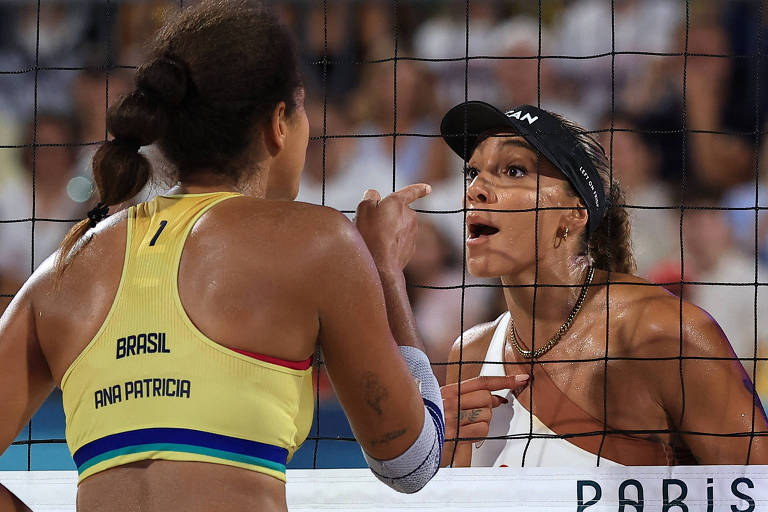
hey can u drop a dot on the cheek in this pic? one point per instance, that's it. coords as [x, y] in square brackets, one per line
[523, 196]
[519, 225]
[558, 201]
[516, 198]
[524, 204]
[518, 219]
[555, 195]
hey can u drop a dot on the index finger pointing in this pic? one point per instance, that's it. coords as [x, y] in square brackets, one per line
[413, 192]
[493, 383]
[371, 195]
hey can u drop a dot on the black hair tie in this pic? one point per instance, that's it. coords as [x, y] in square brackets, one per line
[98, 213]
[127, 144]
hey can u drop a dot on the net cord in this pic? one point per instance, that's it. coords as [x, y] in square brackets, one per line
[756, 64]
[532, 361]
[683, 183]
[462, 328]
[608, 275]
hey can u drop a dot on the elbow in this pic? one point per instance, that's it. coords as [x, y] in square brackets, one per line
[413, 481]
[412, 470]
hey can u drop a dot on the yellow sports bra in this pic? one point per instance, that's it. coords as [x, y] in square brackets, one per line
[150, 385]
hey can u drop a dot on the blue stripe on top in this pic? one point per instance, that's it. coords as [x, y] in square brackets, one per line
[184, 436]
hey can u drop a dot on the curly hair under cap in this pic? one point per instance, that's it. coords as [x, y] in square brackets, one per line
[609, 246]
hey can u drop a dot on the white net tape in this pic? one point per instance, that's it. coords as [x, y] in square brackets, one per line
[675, 489]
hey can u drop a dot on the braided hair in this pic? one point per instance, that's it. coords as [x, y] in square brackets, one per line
[214, 74]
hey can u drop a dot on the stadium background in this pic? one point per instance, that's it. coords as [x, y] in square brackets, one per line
[676, 91]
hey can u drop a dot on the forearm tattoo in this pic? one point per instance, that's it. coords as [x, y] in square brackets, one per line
[375, 392]
[389, 436]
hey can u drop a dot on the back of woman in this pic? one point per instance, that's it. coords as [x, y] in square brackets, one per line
[173, 352]
[181, 330]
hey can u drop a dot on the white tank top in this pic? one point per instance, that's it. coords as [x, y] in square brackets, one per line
[514, 420]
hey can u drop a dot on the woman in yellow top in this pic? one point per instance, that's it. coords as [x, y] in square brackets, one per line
[181, 330]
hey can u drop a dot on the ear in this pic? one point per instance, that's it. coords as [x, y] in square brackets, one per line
[276, 130]
[577, 217]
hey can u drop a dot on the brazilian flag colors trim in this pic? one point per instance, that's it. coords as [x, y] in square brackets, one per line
[208, 446]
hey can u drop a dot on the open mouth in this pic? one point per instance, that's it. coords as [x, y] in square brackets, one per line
[476, 230]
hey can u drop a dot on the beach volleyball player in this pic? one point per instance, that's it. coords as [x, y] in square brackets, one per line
[568, 227]
[181, 330]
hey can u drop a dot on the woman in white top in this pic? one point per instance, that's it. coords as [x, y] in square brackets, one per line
[618, 370]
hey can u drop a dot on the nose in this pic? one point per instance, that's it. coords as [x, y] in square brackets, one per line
[480, 191]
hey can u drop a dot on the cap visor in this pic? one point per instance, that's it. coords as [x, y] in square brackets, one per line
[463, 124]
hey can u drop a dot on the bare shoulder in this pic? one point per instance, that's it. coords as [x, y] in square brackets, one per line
[92, 270]
[291, 210]
[656, 323]
[288, 221]
[472, 345]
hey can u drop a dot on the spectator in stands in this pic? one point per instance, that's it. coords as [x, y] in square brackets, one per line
[525, 79]
[327, 32]
[137, 23]
[443, 36]
[711, 162]
[417, 157]
[329, 156]
[91, 92]
[655, 233]
[596, 28]
[48, 189]
[61, 43]
[749, 195]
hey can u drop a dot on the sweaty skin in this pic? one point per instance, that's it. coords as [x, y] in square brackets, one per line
[254, 275]
[623, 317]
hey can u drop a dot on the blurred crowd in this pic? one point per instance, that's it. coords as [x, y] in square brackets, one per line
[680, 109]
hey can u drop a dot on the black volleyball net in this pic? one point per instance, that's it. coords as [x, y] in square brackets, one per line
[673, 89]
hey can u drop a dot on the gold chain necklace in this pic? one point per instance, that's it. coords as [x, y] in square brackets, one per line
[529, 354]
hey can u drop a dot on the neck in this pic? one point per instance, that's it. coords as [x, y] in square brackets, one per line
[553, 304]
[249, 184]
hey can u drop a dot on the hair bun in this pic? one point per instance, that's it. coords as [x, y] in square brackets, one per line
[165, 78]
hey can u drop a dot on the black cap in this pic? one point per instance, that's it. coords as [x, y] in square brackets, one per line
[464, 123]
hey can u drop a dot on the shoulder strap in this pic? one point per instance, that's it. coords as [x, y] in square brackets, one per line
[159, 231]
[495, 352]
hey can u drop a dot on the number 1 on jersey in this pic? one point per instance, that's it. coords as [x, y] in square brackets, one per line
[159, 230]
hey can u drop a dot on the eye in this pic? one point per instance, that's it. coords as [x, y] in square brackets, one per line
[515, 172]
[470, 173]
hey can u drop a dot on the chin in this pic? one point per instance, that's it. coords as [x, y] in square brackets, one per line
[495, 266]
[483, 268]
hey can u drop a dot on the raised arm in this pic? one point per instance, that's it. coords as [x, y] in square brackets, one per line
[396, 418]
[719, 409]
[389, 229]
[25, 380]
